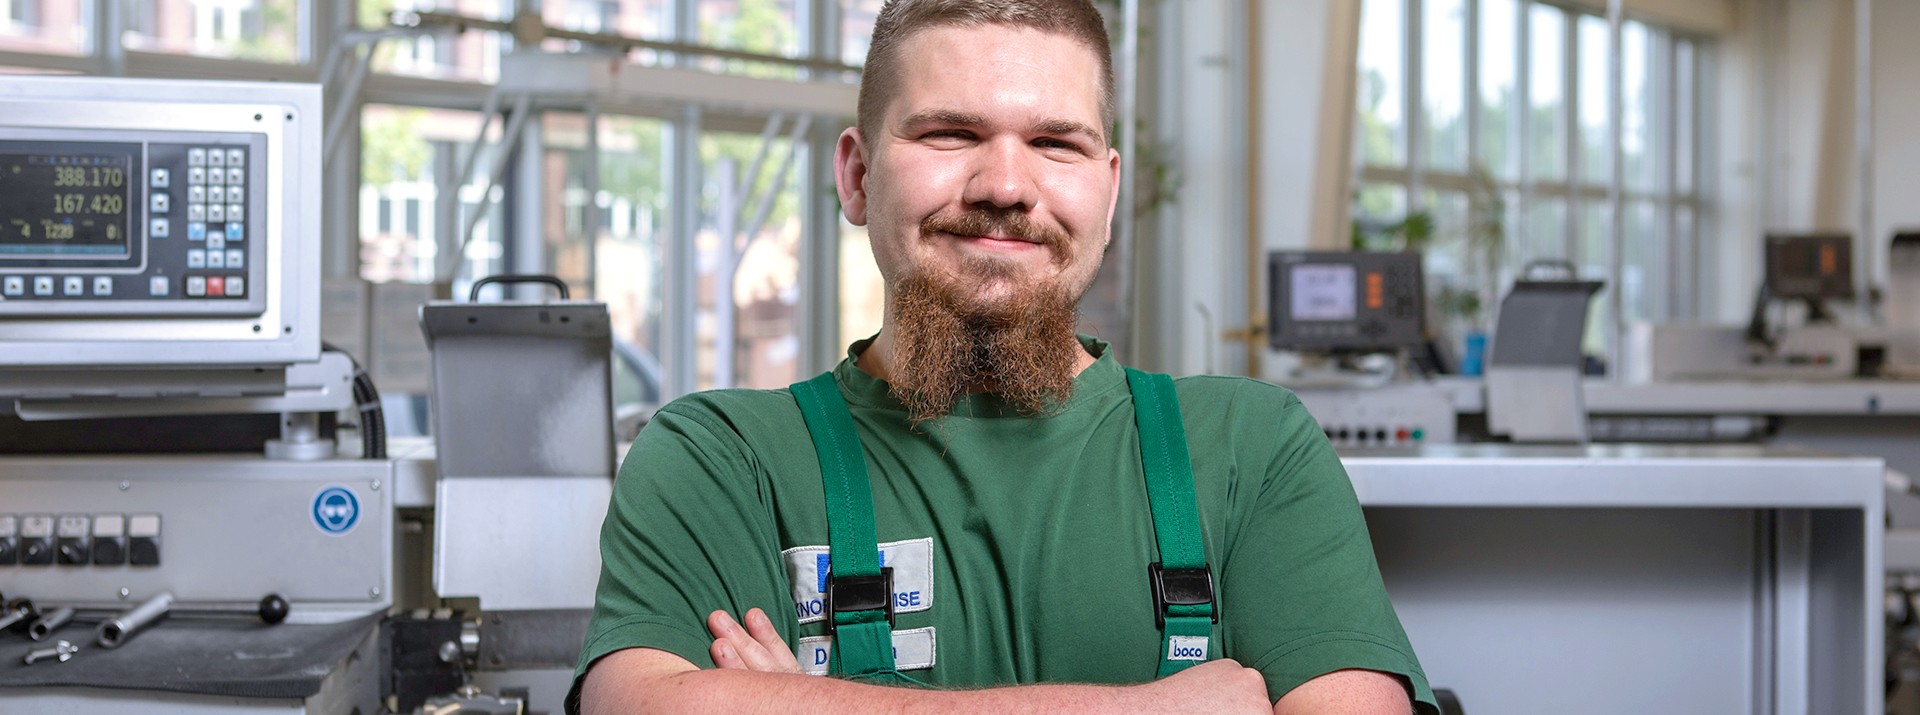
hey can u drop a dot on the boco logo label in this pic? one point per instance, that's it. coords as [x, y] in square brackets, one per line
[335, 510]
[1187, 648]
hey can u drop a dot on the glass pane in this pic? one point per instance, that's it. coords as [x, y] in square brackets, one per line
[472, 55]
[1639, 135]
[755, 272]
[564, 199]
[259, 30]
[1445, 259]
[863, 295]
[1684, 116]
[1444, 92]
[768, 27]
[59, 27]
[856, 29]
[1596, 148]
[1546, 84]
[1382, 134]
[631, 240]
[1499, 100]
[406, 155]
[648, 19]
[1545, 234]
[1377, 207]
[1644, 262]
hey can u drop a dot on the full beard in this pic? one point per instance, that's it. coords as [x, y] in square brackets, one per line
[946, 344]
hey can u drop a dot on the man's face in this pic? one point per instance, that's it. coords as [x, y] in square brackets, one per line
[989, 168]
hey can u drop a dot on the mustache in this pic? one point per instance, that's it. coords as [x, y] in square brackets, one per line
[999, 222]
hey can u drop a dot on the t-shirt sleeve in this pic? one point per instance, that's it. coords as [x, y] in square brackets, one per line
[1301, 595]
[688, 532]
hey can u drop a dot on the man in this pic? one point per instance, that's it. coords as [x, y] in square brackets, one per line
[1013, 496]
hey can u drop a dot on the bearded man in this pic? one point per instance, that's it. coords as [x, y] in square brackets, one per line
[979, 510]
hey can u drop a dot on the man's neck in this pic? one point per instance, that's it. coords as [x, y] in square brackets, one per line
[878, 356]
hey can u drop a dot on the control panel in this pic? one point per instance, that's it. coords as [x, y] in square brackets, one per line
[82, 528]
[1344, 301]
[156, 223]
[1391, 416]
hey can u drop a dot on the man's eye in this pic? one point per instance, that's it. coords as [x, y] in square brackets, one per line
[1051, 143]
[947, 135]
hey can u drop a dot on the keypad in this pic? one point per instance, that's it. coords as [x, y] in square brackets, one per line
[216, 214]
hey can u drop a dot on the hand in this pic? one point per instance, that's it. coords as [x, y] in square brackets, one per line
[757, 647]
[1216, 686]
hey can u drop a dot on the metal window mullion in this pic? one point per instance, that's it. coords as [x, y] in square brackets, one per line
[1472, 78]
[1571, 241]
[1698, 179]
[679, 339]
[590, 213]
[819, 318]
[1679, 248]
[1616, 189]
[109, 23]
[1863, 244]
[1522, 131]
[1414, 65]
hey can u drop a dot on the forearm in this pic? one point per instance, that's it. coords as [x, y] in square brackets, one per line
[749, 692]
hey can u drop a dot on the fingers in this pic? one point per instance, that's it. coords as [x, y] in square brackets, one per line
[757, 647]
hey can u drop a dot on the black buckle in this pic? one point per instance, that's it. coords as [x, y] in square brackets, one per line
[1181, 587]
[852, 594]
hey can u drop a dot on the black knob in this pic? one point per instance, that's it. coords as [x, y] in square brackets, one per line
[273, 608]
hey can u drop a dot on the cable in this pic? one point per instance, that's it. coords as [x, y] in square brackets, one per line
[366, 399]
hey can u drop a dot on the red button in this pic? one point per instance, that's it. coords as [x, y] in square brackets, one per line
[1401, 435]
[216, 285]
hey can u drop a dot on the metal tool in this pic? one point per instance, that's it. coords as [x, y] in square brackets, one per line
[62, 650]
[15, 611]
[119, 628]
[49, 622]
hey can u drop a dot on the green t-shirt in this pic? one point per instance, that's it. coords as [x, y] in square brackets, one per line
[1019, 544]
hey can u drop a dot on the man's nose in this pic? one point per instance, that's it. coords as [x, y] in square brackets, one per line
[1002, 177]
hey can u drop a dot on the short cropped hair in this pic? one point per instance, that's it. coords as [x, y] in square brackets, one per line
[900, 19]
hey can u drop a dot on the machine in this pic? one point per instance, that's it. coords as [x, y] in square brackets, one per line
[186, 518]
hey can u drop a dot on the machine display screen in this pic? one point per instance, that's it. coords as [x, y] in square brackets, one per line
[1323, 291]
[67, 199]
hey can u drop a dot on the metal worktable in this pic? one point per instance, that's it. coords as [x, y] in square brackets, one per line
[1627, 578]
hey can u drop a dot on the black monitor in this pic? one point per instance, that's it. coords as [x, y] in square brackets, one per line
[1810, 267]
[1344, 301]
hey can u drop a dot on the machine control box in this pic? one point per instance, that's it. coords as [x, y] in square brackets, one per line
[1391, 416]
[81, 528]
[1344, 301]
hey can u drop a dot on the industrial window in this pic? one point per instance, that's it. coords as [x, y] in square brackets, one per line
[55, 27]
[1491, 119]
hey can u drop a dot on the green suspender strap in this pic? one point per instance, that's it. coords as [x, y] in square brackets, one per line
[859, 594]
[1182, 583]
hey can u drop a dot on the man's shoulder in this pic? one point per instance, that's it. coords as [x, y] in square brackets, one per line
[738, 411]
[1213, 392]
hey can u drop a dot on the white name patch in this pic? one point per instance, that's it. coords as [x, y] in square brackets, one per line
[912, 650]
[911, 561]
[1187, 648]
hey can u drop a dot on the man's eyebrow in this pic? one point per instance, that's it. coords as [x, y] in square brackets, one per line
[1067, 126]
[955, 117]
[942, 116]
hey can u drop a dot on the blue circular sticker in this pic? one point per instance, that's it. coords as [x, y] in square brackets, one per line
[335, 510]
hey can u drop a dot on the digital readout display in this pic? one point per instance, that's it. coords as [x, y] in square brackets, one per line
[1324, 292]
[67, 200]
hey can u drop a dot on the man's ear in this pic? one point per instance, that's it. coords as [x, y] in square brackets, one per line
[850, 175]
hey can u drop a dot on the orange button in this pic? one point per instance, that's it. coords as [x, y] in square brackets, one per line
[1376, 291]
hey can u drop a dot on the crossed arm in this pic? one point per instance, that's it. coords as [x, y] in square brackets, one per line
[756, 673]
